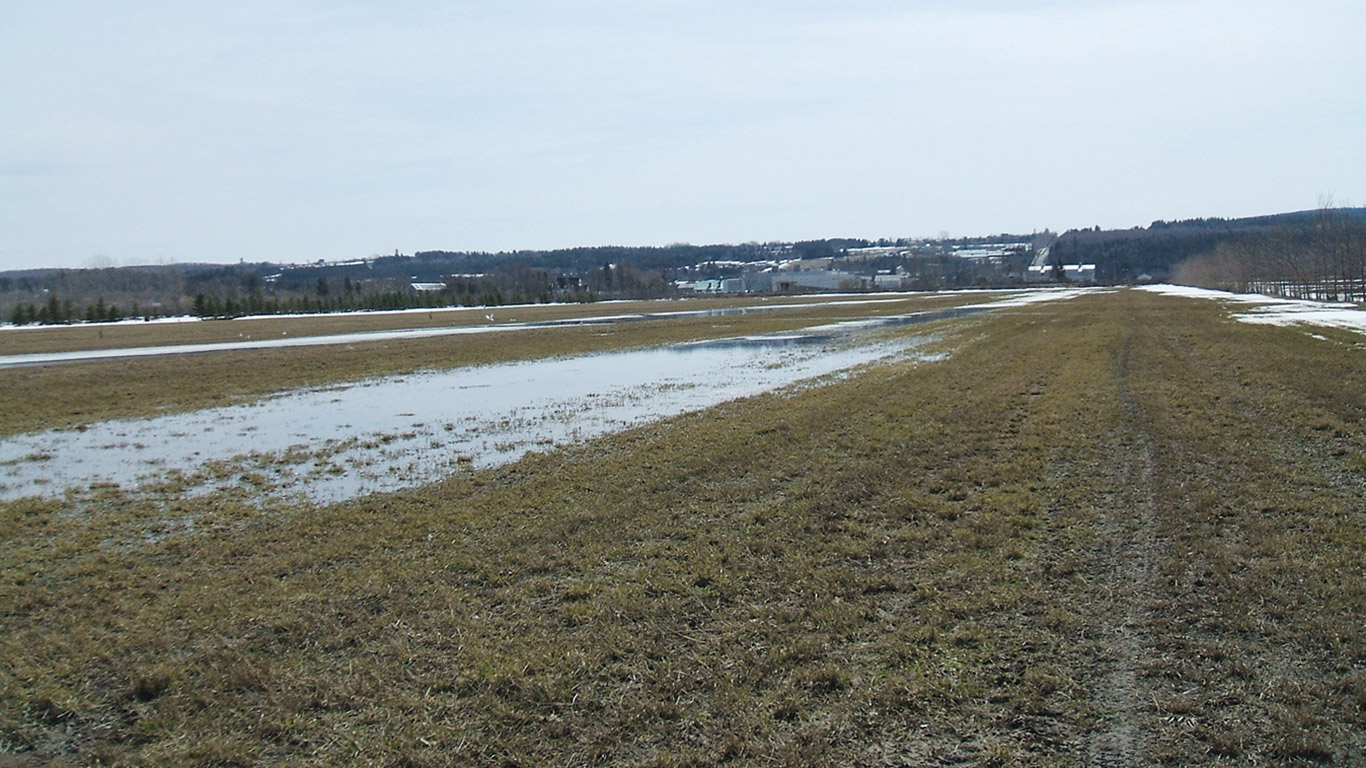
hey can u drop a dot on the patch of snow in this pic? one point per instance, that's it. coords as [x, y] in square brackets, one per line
[1040, 295]
[103, 323]
[1273, 310]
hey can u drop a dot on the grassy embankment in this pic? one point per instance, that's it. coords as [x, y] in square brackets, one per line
[71, 394]
[1121, 530]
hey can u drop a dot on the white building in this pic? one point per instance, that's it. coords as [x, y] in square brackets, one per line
[825, 280]
[1077, 273]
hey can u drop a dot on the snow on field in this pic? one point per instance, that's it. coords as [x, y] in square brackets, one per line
[1038, 295]
[173, 319]
[1271, 310]
[49, 358]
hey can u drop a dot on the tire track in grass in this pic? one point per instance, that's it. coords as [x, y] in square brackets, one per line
[1127, 531]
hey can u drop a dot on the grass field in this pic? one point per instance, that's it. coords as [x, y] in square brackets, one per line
[1121, 530]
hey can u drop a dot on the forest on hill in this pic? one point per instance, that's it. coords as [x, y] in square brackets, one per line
[1155, 252]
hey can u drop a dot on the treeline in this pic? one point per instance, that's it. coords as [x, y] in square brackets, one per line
[57, 311]
[110, 293]
[211, 306]
[1324, 259]
[423, 280]
[55, 297]
[351, 298]
[665, 260]
[1153, 252]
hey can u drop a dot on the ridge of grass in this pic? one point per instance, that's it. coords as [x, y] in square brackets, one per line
[1119, 530]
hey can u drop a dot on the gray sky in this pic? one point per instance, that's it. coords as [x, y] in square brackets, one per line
[156, 131]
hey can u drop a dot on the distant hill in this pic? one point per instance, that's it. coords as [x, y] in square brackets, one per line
[444, 278]
[379, 282]
[1127, 255]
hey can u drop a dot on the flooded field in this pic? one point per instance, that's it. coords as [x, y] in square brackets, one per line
[336, 443]
[384, 434]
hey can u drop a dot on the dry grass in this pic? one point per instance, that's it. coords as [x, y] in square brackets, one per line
[1124, 506]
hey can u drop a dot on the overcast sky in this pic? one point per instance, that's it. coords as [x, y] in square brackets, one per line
[155, 131]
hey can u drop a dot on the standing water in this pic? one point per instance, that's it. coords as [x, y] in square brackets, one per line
[386, 434]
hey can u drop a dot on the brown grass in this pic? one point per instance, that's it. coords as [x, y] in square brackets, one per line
[1122, 506]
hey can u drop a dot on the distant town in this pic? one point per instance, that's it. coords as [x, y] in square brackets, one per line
[1309, 254]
